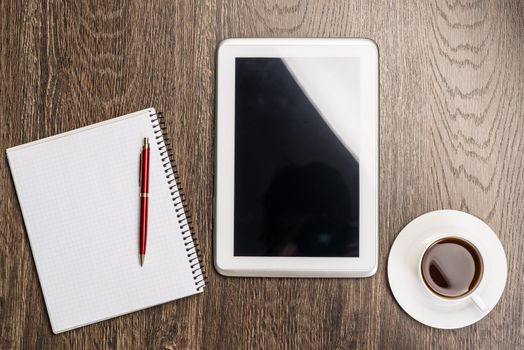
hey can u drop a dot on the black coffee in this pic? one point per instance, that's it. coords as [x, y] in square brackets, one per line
[452, 267]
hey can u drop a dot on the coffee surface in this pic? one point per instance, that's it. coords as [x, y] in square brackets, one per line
[451, 267]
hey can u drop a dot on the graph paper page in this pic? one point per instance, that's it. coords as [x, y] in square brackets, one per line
[79, 196]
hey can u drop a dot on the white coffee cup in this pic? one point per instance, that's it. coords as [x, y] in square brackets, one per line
[473, 292]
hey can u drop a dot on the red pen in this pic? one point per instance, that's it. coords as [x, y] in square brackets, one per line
[144, 196]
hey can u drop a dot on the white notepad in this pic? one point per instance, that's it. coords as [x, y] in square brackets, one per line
[79, 196]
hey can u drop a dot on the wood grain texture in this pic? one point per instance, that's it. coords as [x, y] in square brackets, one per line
[451, 136]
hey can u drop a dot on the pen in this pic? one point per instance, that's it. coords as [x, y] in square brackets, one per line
[144, 196]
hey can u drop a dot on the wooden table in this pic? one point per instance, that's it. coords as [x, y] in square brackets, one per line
[451, 136]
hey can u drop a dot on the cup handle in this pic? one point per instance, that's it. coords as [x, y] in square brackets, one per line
[479, 302]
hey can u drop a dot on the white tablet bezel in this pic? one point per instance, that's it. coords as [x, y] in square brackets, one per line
[226, 262]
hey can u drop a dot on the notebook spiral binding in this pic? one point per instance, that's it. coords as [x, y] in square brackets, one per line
[173, 179]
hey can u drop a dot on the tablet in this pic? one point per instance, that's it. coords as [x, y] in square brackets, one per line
[297, 158]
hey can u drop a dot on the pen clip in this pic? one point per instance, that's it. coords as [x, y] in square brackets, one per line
[140, 170]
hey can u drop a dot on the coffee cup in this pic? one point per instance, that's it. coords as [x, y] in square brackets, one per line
[451, 269]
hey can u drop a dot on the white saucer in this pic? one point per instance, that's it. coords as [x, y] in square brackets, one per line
[404, 260]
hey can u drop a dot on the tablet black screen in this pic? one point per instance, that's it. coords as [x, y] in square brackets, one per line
[296, 183]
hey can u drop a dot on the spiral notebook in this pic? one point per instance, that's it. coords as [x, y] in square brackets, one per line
[79, 196]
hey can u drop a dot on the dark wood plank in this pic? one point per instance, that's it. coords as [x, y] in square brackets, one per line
[452, 136]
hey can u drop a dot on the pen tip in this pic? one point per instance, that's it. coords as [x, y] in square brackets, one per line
[142, 257]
